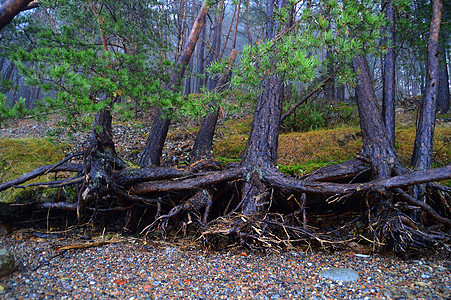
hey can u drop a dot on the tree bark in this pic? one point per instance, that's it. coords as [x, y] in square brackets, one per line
[376, 144]
[261, 148]
[201, 59]
[217, 41]
[248, 25]
[101, 160]
[422, 152]
[151, 154]
[203, 145]
[10, 9]
[388, 76]
[443, 101]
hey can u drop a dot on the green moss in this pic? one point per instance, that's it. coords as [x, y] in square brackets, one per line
[230, 147]
[227, 160]
[300, 153]
[19, 156]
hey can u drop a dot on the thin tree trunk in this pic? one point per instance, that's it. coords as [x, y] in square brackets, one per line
[443, 101]
[388, 75]
[422, 152]
[217, 40]
[235, 33]
[248, 26]
[341, 93]
[236, 14]
[157, 136]
[201, 58]
[204, 140]
[330, 86]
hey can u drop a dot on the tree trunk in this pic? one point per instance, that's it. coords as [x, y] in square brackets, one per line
[330, 87]
[204, 140]
[388, 74]
[10, 9]
[261, 148]
[443, 102]
[151, 154]
[217, 41]
[376, 144]
[422, 152]
[271, 25]
[101, 160]
[201, 58]
[248, 25]
[341, 93]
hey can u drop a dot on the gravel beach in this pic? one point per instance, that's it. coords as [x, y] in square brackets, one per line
[135, 269]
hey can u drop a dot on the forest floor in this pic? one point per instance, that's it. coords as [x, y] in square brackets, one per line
[120, 267]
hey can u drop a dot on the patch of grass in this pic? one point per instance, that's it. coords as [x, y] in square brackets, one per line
[19, 156]
[319, 146]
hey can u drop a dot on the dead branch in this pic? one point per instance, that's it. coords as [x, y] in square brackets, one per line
[69, 167]
[279, 180]
[186, 184]
[55, 183]
[426, 207]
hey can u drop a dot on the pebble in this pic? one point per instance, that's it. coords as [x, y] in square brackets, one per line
[340, 274]
[7, 262]
[126, 270]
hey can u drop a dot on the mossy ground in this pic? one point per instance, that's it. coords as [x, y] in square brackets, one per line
[302, 152]
[19, 156]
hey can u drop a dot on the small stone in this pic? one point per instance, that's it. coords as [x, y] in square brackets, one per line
[7, 263]
[421, 283]
[387, 294]
[362, 255]
[4, 229]
[340, 274]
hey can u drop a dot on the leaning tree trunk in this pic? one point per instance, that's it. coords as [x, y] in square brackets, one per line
[10, 9]
[376, 143]
[157, 136]
[388, 75]
[422, 152]
[203, 145]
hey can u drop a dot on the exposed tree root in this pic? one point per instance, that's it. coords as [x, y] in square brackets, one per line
[149, 187]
